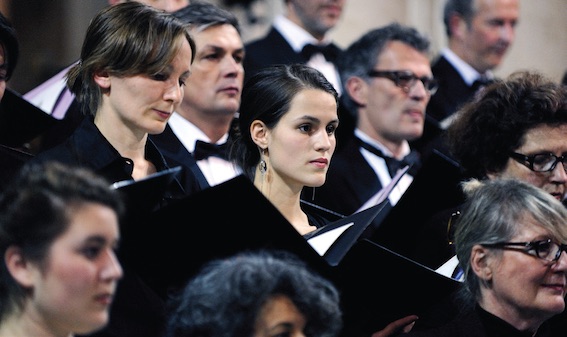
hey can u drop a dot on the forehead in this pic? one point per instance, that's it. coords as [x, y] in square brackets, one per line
[504, 9]
[548, 138]
[224, 33]
[397, 53]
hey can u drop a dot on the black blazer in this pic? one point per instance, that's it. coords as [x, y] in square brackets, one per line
[350, 182]
[451, 94]
[269, 50]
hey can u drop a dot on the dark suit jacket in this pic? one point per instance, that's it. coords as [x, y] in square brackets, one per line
[350, 182]
[451, 94]
[269, 50]
[175, 154]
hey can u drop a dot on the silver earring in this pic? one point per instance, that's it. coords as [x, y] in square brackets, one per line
[263, 166]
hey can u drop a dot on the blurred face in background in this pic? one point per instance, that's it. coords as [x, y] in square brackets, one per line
[217, 74]
[484, 41]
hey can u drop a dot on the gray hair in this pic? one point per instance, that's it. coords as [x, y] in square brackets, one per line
[494, 211]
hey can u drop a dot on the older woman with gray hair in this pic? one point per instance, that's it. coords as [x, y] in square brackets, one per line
[509, 241]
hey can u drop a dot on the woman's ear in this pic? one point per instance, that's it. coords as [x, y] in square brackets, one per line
[19, 268]
[481, 262]
[259, 133]
[102, 79]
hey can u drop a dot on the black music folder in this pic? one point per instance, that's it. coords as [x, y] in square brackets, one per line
[435, 187]
[21, 121]
[145, 194]
[171, 245]
[379, 286]
[335, 239]
[11, 160]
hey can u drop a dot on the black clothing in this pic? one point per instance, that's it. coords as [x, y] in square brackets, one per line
[137, 311]
[476, 323]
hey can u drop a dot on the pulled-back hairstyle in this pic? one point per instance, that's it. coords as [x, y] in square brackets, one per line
[267, 96]
[36, 208]
[126, 39]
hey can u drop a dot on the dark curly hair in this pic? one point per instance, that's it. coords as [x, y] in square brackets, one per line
[494, 124]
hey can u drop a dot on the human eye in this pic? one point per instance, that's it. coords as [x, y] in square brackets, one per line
[91, 251]
[405, 79]
[159, 76]
[238, 58]
[305, 127]
[331, 128]
[543, 161]
[543, 248]
[212, 56]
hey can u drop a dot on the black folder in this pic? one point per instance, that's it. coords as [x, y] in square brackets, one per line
[145, 194]
[21, 121]
[436, 187]
[11, 160]
[379, 286]
[334, 240]
[171, 245]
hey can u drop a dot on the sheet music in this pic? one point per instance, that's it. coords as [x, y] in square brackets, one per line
[385, 191]
[322, 243]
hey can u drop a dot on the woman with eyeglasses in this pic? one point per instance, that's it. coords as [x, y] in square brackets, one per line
[510, 240]
[517, 128]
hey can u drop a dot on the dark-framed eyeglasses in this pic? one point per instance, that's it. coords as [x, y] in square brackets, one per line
[406, 80]
[544, 249]
[541, 162]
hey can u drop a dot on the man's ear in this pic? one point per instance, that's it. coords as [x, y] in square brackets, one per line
[19, 268]
[357, 89]
[458, 26]
[480, 262]
[259, 133]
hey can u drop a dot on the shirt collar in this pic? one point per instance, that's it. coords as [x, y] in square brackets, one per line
[296, 36]
[188, 133]
[468, 73]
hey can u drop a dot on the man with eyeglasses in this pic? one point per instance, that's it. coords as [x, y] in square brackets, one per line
[387, 82]
[479, 35]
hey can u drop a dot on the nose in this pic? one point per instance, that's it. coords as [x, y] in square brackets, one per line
[325, 141]
[558, 173]
[418, 90]
[507, 33]
[232, 66]
[174, 93]
[112, 269]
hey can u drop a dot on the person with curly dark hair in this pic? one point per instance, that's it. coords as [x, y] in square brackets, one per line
[255, 293]
[517, 128]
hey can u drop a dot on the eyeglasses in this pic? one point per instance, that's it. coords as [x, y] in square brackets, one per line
[544, 249]
[406, 79]
[541, 162]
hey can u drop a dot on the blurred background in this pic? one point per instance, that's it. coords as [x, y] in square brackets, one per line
[50, 32]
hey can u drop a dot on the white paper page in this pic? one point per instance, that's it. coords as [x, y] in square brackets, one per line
[321, 243]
